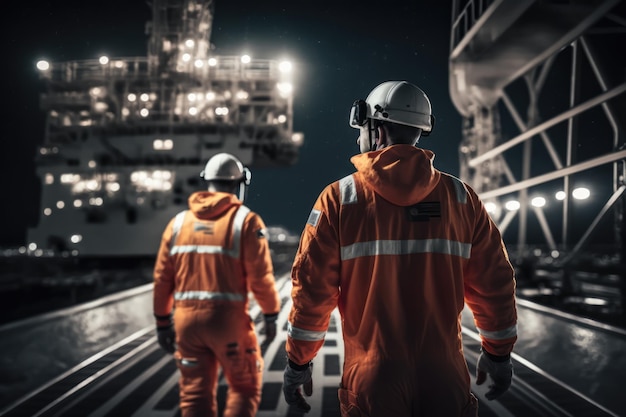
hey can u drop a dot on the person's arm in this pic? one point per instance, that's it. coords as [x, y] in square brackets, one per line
[164, 276]
[315, 280]
[258, 265]
[490, 285]
[163, 293]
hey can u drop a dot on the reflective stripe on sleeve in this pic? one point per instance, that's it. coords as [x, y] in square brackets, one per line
[208, 295]
[347, 190]
[301, 334]
[461, 191]
[405, 247]
[499, 334]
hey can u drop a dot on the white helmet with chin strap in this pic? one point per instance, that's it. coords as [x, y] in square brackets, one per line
[225, 167]
[396, 102]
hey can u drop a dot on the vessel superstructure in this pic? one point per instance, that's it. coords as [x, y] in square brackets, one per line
[126, 138]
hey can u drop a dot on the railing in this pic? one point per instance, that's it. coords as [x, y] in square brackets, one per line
[223, 68]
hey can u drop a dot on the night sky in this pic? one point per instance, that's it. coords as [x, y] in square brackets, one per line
[341, 50]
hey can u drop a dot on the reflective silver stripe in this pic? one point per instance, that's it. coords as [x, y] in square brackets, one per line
[461, 191]
[499, 334]
[178, 223]
[405, 247]
[240, 217]
[301, 334]
[347, 189]
[207, 295]
[198, 249]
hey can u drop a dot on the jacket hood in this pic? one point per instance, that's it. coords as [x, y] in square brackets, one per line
[401, 174]
[208, 205]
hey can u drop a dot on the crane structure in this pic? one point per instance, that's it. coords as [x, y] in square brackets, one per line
[126, 138]
[540, 86]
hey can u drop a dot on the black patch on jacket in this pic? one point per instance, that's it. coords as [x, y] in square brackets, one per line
[206, 227]
[422, 212]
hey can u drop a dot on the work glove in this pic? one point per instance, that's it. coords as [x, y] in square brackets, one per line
[270, 328]
[295, 376]
[167, 338]
[499, 368]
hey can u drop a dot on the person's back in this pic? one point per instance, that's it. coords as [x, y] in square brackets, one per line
[404, 246]
[210, 257]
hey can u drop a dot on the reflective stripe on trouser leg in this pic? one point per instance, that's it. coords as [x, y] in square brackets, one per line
[197, 385]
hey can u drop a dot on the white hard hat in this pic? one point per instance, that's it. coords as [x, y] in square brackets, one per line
[396, 102]
[223, 167]
[226, 167]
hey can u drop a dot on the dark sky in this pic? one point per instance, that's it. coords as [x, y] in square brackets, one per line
[341, 49]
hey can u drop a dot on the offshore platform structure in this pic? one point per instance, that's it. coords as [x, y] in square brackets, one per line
[126, 138]
[540, 86]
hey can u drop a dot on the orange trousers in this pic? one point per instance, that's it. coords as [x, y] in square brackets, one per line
[381, 387]
[210, 336]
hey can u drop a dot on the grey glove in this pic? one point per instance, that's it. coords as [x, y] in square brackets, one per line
[167, 338]
[295, 376]
[270, 328]
[499, 368]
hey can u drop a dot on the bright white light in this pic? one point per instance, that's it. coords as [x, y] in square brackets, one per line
[560, 195]
[144, 97]
[189, 43]
[144, 112]
[491, 207]
[241, 95]
[168, 144]
[157, 144]
[132, 97]
[245, 59]
[43, 65]
[191, 97]
[198, 63]
[47, 211]
[285, 66]
[103, 59]
[285, 89]
[186, 57]
[76, 238]
[113, 187]
[282, 118]
[210, 96]
[78, 203]
[555, 254]
[297, 138]
[212, 62]
[512, 205]
[221, 111]
[538, 202]
[193, 111]
[32, 246]
[581, 193]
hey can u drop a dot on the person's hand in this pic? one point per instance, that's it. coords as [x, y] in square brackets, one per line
[167, 338]
[270, 328]
[294, 377]
[499, 368]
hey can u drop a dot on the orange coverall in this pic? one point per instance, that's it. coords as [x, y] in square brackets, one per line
[210, 257]
[399, 247]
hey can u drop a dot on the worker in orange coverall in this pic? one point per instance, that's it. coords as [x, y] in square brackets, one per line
[210, 257]
[399, 247]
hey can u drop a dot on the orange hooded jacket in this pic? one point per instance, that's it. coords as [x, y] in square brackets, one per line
[399, 247]
[216, 251]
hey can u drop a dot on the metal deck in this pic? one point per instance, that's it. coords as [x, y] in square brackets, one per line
[102, 359]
